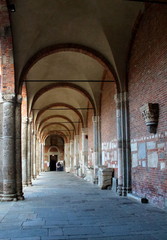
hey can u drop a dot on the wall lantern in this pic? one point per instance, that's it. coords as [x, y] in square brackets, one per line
[11, 8]
[150, 113]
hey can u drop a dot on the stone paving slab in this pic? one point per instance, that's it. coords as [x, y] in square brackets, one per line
[61, 206]
[25, 238]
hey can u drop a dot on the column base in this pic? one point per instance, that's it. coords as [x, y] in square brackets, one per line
[20, 195]
[125, 191]
[20, 198]
[29, 184]
[25, 185]
[119, 190]
[8, 198]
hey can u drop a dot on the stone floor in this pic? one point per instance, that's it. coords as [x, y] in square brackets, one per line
[62, 206]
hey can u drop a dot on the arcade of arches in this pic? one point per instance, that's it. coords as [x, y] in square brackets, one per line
[84, 83]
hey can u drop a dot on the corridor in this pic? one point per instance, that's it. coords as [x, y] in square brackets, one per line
[63, 206]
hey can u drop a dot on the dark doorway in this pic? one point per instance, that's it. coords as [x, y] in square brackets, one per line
[53, 161]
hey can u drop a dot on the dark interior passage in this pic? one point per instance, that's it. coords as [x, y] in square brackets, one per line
[53, 161]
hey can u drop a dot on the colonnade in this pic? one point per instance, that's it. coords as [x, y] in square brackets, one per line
[23, 152]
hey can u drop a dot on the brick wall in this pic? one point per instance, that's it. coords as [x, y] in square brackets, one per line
[52, 151]
[148, 84]
[6, 51]
[24, 102]
[6, 69]
[108, 125]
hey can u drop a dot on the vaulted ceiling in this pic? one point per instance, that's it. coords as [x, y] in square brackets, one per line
[98, 33]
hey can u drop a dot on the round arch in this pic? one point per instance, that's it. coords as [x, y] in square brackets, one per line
[64, 85]
[60, 105]
[50, 124]
[58, 133]
[57, 116]
[66, 47]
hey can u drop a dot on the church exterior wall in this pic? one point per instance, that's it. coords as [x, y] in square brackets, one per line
[147, 84]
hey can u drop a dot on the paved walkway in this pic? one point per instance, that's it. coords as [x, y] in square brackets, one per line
[62, 206]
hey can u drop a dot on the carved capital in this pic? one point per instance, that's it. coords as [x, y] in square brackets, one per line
[85, 131]
[120, 98]
[8, 98]
[30, 119]
[96, 119]
[150, 114]
[24, 120]
[19, 99]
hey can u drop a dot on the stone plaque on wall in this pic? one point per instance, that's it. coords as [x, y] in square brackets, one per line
[142, 151]
[153, 160]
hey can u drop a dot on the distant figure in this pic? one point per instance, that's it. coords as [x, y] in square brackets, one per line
[58, 165]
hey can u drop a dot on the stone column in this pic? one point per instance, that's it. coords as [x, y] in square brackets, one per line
[96, 150]
[24, 152]
[124, 170]
[126, 146]
[67, 157]
[84, 149]
[71, 155]
[34, 156]
[8, 146]
[76, 152]
[29, 153]
[42, 153]
[18, 149]
[118, 100]
[37, 156]
[40, 156]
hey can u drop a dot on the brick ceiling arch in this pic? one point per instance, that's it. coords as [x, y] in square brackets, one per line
[69, 47]
[60, 105]
[54, 117]
[56, 133]
[58, 124]
[64, 85]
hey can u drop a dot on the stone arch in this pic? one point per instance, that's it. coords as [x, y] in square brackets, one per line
[52, 147]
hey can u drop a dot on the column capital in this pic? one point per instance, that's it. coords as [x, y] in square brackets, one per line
[95, 119]
[121, 97]
[25, 120]
[8, 98]
[85, 131]
[19, 99]
[30, 120]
